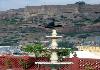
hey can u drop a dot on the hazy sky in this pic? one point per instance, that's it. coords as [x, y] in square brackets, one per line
[12, 4]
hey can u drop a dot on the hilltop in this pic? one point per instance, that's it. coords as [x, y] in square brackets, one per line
[26, 25]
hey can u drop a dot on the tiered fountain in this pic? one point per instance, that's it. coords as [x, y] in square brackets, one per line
[54, 57]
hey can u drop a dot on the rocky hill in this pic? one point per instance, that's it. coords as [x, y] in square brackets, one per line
[27, 25]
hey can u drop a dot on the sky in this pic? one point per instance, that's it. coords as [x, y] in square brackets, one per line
[14, 4]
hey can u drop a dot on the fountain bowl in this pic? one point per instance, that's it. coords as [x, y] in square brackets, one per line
[54, 63]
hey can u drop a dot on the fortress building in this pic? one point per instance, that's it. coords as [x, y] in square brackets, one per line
[63, 9]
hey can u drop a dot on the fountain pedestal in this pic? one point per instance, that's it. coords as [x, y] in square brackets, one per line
[54, 57]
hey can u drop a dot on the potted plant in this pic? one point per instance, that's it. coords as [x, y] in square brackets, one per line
[8, 64]
[24, 64]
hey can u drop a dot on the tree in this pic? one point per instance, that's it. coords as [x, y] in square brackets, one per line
[64, 52]
[37, 48]
[97, 20]
[68, 48]
[28, 48]
[65, 44]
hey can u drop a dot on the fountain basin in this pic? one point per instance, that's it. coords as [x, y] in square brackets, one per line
[56, 49]
[54, 37]
[54, 63]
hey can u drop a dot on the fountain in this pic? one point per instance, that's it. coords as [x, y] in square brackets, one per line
[54, 57]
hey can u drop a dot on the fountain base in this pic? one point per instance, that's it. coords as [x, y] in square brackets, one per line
[53, 65]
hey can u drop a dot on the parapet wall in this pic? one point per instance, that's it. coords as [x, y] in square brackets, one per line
[29, 62]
